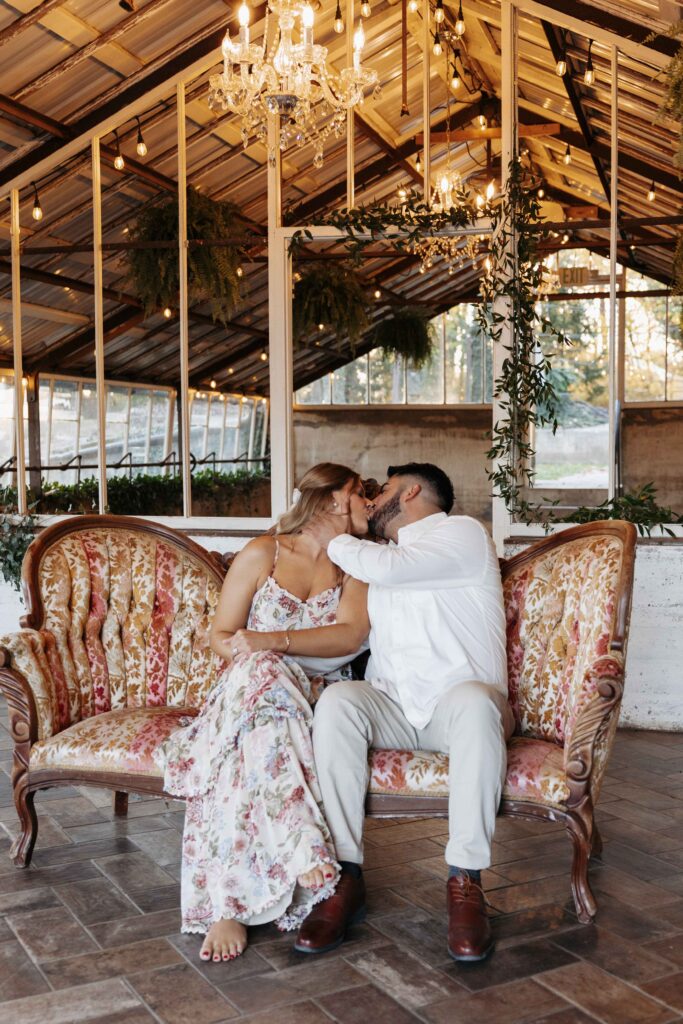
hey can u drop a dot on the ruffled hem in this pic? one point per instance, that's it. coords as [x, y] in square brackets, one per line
[293, 916]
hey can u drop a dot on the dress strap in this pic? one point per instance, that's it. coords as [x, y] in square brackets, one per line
[277, 552]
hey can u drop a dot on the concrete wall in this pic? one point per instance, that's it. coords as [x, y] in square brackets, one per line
[652, 450]
[369, 440]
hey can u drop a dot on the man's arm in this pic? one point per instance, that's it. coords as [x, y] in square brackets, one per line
[442, 558]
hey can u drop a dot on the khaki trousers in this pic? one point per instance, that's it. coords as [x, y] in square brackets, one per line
[471, 723]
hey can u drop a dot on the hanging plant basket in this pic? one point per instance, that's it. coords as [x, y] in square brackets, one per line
[331, 294]
[212, 270]
[407, 332]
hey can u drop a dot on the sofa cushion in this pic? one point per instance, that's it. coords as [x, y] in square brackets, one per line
[535, 773]
[114, 741]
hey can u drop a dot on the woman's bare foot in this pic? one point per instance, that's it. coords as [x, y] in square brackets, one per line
[224, 940]
[314, 879]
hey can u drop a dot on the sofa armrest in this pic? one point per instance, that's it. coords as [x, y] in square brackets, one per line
[26, 680]
[589, 737]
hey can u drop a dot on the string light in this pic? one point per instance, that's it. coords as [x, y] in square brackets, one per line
[437, 49]
[567, 158]
[141, 146]
[460, 22]
[413, 6]
[455, 78]
[589, 73]
[378, 294]
[483, 121]
[652, 195]
[365, 9]
[490, 191]
[37, 213]
[264, 357]
[212, 384]
[561, 66]
[338, 20]
[565, 238]
[418, 164]
[541, 192]
[439, 12]
[168, 312]
[119, 162]
[239, 272]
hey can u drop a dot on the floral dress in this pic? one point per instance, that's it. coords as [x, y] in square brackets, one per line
[254, 819]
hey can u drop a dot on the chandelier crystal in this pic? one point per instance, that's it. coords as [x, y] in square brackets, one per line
[291, 78]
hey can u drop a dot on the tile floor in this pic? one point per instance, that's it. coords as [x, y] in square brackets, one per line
[90, 931]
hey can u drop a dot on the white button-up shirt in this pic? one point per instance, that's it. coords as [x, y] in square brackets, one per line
[436, 610]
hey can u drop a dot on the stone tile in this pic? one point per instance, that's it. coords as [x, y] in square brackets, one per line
[385, 901]
[533, 868]
[111, 963]
[74, 810]
[420, 932]
[615, 954]
[655, 819]
[669, 990]
[96, 900]
[178, 995]
[298, 1013]
[281, 954]
[18, 976]
[511, 964]
[167, 897]
[31, 899]
[422, 828]
[641, 838]
[511, 929]
[403, 976]
[358, 1006]
[628, 888]
[220, 974]
[670, 949]
[32, 878]
[95, 1002]
[393, 876]
[50, 833]
[618, 855]
[572, 1015]
[81, 851]
[527, 895]
[636, 925]
[117, 827]
[125, 930]
[397, 853]
[162, 845]
[133, 872]
[258, 992]
[48, 934]
[608, 998]
[516, 1003]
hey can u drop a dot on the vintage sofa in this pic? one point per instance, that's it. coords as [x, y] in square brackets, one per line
[114, 651]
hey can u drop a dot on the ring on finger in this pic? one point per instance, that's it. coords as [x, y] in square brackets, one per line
[234, 650]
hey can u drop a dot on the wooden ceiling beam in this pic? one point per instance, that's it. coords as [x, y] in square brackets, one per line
[20, 25]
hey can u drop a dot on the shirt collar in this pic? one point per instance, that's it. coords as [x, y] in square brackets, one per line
[412, 531]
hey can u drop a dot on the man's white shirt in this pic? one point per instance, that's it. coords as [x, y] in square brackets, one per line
[436, 610]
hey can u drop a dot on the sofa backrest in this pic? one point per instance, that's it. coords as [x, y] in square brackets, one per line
[567, 601]
[124, 608]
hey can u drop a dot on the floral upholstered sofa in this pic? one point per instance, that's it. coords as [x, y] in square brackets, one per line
[114, 651]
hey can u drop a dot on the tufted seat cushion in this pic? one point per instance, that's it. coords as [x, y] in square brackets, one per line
[535, 773]
[114, 741]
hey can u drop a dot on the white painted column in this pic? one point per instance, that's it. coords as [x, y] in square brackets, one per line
[350, 122]
[613, 216]
[501, 520]
[183, 310]
[100, 382]
[426, 113]
[279, 336]
[20, 447]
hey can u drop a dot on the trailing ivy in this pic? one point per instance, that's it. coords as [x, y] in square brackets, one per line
[525, 389]
[332, 294]
[640, 508]
[407, 332]
[16, 533]
[212, 270]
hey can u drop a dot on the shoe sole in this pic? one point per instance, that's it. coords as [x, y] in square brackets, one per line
[357, 918]
[470, 959]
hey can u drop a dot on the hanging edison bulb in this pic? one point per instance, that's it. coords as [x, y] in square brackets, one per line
[437, 49]
[589, 73]
[365, 9]
[37, 212]
[567, 158]
[460, 22]
[439, 12]
[338, 20]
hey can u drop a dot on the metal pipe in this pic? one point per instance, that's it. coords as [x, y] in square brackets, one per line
[350, 120]
[99, 326]
[183, 304]
[15, 229]
[612, 481]
[426, 114]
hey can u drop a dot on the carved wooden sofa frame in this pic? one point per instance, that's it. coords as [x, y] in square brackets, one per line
[584, 756]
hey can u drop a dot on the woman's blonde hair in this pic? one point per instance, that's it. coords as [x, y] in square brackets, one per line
[316, 489]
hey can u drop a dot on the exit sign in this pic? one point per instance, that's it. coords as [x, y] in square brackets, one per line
[572, 276]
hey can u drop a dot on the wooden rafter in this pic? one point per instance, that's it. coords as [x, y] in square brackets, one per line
[26, 20]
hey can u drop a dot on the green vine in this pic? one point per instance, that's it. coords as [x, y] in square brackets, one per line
[640, 508]
[16, 533]
[407, 332]
[212, 270]
[509, 296]
[330, 294]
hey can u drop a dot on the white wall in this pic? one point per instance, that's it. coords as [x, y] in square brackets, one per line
[653, 697]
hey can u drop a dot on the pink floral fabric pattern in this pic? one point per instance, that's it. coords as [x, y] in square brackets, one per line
[254, 820]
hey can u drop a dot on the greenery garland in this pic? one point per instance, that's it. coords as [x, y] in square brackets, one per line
[212, 271]
[16, 533]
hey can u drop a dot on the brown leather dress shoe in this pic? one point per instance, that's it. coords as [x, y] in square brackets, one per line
[325, 927]
[469, 930]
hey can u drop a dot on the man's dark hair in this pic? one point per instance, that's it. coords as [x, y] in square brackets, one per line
[430, 476]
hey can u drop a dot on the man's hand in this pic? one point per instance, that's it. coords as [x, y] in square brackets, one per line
[326, 527]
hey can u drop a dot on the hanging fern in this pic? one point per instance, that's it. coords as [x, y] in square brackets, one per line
[332, 294]
[407, 332]
[212, 270]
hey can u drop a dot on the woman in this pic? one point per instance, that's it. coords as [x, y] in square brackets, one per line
[256, 846]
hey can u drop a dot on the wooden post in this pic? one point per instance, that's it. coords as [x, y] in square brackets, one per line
[184, 417]
[99, 326]
[34, 455]
[15, 231]
[613, 228]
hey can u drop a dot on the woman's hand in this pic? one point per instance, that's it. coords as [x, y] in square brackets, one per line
[248, 641]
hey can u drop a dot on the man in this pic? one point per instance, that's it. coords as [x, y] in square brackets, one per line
[437, 680]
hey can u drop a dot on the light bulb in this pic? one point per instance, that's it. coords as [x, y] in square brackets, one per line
[338, 20]
[418, 164]
[37, 212]
[561, 67]
[413, 6]
[243, 16]
[212, 384]
[119, 162]
[264, 357]
[652, 195]
[445, 185]
[307, 16]
[402, 194]
[230, 371]
[455, 80]
[479, 200]
[541, 192]
[365, 9]
[239, 272]
[378, 294]
[321, 327]
[567, 158]
[168, 312]
[565, 238]
[359, 37]
[460, 22]
[226, 46]
[482, 121]
[439, 12]
[140, 148]
[589, 75]
[490, 191]
[437, 49]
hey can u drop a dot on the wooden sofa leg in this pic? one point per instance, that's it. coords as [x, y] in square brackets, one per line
[120, 804]
[581, 833]
[22, 847]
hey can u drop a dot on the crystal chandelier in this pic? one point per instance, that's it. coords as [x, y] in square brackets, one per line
[292, 79]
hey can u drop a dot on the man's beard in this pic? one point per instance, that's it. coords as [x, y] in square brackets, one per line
[380, 520]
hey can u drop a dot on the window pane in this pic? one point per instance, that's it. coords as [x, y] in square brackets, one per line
[65, 430]
[387, 383]
[645, 349]
[469, 358]
[315, 393]
[198, 432]
[216, 412]
[349, 385]
[157, 448]
[425, 386]
[245, 428]
[674, 352]
[117, 424]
